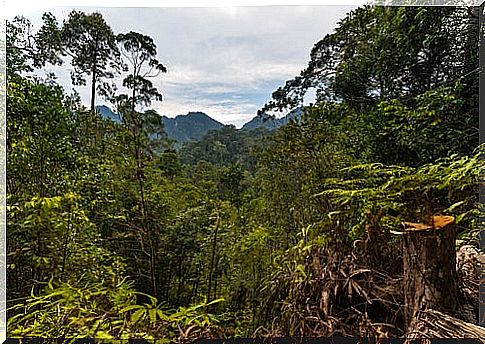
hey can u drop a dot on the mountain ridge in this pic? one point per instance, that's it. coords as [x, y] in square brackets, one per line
[195, 124]
[266, 121]
[182, 128]
[190, 127]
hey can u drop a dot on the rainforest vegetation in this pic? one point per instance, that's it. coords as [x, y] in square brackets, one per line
[112, 233]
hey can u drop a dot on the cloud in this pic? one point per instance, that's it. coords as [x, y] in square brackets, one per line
[236, 77]
[225, 61]
[227, 111]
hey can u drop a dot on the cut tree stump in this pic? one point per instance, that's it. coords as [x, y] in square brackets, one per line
[430, 278]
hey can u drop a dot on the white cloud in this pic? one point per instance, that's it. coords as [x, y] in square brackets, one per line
[224, 111]
[225, 61]
[229, 77]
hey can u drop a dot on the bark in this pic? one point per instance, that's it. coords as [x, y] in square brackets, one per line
[430, 277]
[93, 90]
[433, 324]
[213, 257]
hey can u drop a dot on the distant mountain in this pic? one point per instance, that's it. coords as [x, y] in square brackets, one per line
[106, 112]
[270, 123]
[194, 125]
[189, 127]
[183, 128]
[262, 121]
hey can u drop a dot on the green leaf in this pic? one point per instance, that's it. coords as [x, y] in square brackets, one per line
[153, 315]
[162, 315]
[137, 315]
[129, 308]
[454, 206]
[103, 335]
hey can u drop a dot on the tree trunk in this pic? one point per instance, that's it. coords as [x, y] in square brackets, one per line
[93, 90]
[430, 278]
[94, 72]
[213, 257]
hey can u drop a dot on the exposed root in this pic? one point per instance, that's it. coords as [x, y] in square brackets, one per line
[342, 295]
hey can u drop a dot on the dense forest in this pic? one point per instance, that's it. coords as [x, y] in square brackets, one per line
[112, 233]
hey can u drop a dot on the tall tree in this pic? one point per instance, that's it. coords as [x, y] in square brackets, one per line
[91, 43]
[27, 49]
[381, 53]
[140, 53]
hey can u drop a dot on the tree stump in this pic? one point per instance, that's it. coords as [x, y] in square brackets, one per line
[430, 278]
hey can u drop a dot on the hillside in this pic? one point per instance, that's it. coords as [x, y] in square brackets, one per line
[190, 127]
[183, 128]
[107, 113]
[271, 123]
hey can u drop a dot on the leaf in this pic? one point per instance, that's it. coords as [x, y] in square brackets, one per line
[454, 206]
[129, 308]
[162, 315]
[153, 300]
[215, 301]
[460, 217]
[137, 315]
[103, 335]
[153, 315]
[301, 269]
[332, 213]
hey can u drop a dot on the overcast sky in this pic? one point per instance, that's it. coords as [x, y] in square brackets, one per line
[224, 61]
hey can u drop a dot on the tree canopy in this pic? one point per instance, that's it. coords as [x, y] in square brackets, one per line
[114, 234]
[91, 44]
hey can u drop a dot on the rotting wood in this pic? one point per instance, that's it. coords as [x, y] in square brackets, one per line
[435, 324]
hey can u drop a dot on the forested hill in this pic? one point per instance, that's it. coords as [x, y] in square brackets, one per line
[325, 226]
[227, 146]
[190, 127]
[194, 125]
[107, 113]
[270, 122]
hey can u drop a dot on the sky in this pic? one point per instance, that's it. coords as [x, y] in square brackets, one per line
[223, 61]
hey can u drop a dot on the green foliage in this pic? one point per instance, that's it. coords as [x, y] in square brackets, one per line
[40, 145]
[25, 46]
[91, 44]
[105, 310]
[226, 146]
[51, 237]
[435, 127]
[386, 195]
[112, 234]
[384, 53]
